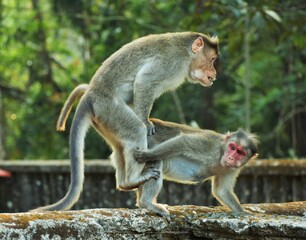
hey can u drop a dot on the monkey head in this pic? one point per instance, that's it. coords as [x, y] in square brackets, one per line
[239, 147]
[202, 69]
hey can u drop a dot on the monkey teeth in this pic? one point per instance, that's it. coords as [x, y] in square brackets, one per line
[211, 79]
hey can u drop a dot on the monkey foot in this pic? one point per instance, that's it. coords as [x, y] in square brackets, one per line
[150, 128]
[152, 173]
[159, 209]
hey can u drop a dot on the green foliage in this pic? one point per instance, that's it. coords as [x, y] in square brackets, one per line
[49, 47]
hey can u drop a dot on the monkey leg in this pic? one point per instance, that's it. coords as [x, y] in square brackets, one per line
[147, 194]
[120, 126]
[223, 190]
[116, 158]
[165, 150]
[136, 173]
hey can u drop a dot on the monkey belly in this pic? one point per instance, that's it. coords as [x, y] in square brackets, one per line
[184, 171]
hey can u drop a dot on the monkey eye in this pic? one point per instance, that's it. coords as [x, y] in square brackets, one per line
[241, 152]
[232, 147]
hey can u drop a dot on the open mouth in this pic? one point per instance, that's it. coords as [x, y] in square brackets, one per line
[210, 79]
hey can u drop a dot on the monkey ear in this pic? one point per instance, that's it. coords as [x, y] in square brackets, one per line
[197, 45]
[227, 136]
[255, 156]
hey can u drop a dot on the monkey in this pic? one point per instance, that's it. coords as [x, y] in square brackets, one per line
[185, 155]
[189, 155]
[120, 96]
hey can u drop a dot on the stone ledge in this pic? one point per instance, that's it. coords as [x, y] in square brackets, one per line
[266, 221]
[255, 167]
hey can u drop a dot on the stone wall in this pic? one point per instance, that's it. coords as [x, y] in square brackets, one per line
[265, 221]
[38, 183]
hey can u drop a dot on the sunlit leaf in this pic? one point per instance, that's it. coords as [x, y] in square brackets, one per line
[273, 15]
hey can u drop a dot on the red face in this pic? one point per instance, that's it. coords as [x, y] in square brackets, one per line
[234, 156]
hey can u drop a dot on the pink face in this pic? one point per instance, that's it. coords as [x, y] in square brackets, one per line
[234, 155]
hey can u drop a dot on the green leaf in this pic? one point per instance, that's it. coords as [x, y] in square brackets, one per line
[273, 15]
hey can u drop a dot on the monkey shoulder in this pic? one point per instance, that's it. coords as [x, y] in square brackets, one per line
[210, 138]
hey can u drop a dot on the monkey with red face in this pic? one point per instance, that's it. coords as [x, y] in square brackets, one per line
[185, 155]
[235, 154]
[188, 155]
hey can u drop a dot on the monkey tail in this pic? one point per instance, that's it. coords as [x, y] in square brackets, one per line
[74, 95]
[80, 125]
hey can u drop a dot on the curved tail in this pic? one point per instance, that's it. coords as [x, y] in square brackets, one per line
[76, 93]
[80, 125]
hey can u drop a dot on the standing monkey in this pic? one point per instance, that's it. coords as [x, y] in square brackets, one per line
[136, 74]
[188, 155]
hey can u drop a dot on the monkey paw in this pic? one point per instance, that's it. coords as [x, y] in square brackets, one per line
[150, 128]
[153, 172]
[157, 208]
[161, 210]
[138, 155]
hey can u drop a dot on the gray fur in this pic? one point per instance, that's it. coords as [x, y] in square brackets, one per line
[136, 74]
[188, 155]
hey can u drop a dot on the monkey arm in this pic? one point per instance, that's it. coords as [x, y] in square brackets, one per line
[222, 189]
[145, 87]
[143, 102]
[163, 151]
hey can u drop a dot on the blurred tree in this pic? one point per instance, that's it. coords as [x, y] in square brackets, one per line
[49, 47]
[2, 150]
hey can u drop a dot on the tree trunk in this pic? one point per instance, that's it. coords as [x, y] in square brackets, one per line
[2, 151]
[247, 71]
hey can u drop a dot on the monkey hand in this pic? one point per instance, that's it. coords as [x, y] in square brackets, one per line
[150, 127]
[142, 156]
[152, 171]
